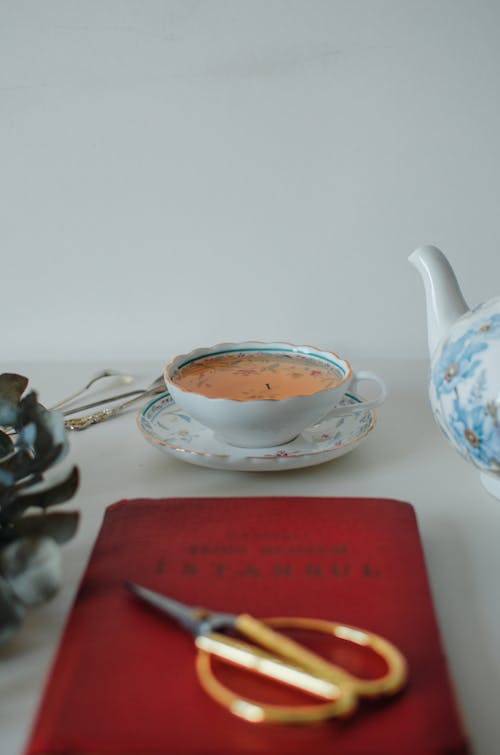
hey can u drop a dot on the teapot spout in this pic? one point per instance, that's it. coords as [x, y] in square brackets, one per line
[445, 303]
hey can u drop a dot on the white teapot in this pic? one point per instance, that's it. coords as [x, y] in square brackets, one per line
[464, 347]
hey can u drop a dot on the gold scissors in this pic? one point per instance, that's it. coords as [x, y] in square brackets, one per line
[288, 662]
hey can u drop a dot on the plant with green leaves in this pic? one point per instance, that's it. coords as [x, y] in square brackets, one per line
[32, 440]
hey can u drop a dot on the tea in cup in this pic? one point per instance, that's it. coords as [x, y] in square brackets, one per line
[254, 394]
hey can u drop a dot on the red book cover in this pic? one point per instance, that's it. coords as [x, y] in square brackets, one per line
[124, 683]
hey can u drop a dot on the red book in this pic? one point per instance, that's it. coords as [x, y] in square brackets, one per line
[124, 682]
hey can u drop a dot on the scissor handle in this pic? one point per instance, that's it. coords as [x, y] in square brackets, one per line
[349, 687]
[387, 684]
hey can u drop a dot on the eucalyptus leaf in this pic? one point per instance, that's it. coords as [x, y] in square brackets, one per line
[11, 611]
[9, 413]
[32, 567]
[7, 533]
[46, 497]
[7, 478]
[16, 463]
[6, 444]
[12, 386]
[27, 435]
[60, 525]
[56, 475]
[49, 442]
[43, 496]
[54, 424]
[30, 557]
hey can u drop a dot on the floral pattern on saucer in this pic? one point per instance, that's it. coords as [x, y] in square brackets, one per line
[175, 433]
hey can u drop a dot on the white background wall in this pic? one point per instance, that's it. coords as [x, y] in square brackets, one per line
[177, 172]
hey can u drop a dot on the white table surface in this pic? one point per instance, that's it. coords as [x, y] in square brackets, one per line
[404, 457]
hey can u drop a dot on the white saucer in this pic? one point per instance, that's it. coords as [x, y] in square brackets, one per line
[175, 433]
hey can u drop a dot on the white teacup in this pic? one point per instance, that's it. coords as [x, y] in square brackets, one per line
[254, 394]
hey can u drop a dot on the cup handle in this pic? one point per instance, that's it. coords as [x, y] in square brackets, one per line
[343, 411]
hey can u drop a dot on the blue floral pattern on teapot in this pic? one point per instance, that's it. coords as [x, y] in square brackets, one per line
[464, 389]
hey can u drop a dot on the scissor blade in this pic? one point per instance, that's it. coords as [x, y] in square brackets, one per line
[188, 616]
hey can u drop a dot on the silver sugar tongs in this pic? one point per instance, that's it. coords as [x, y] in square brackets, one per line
[81, 423]
[119, 377]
